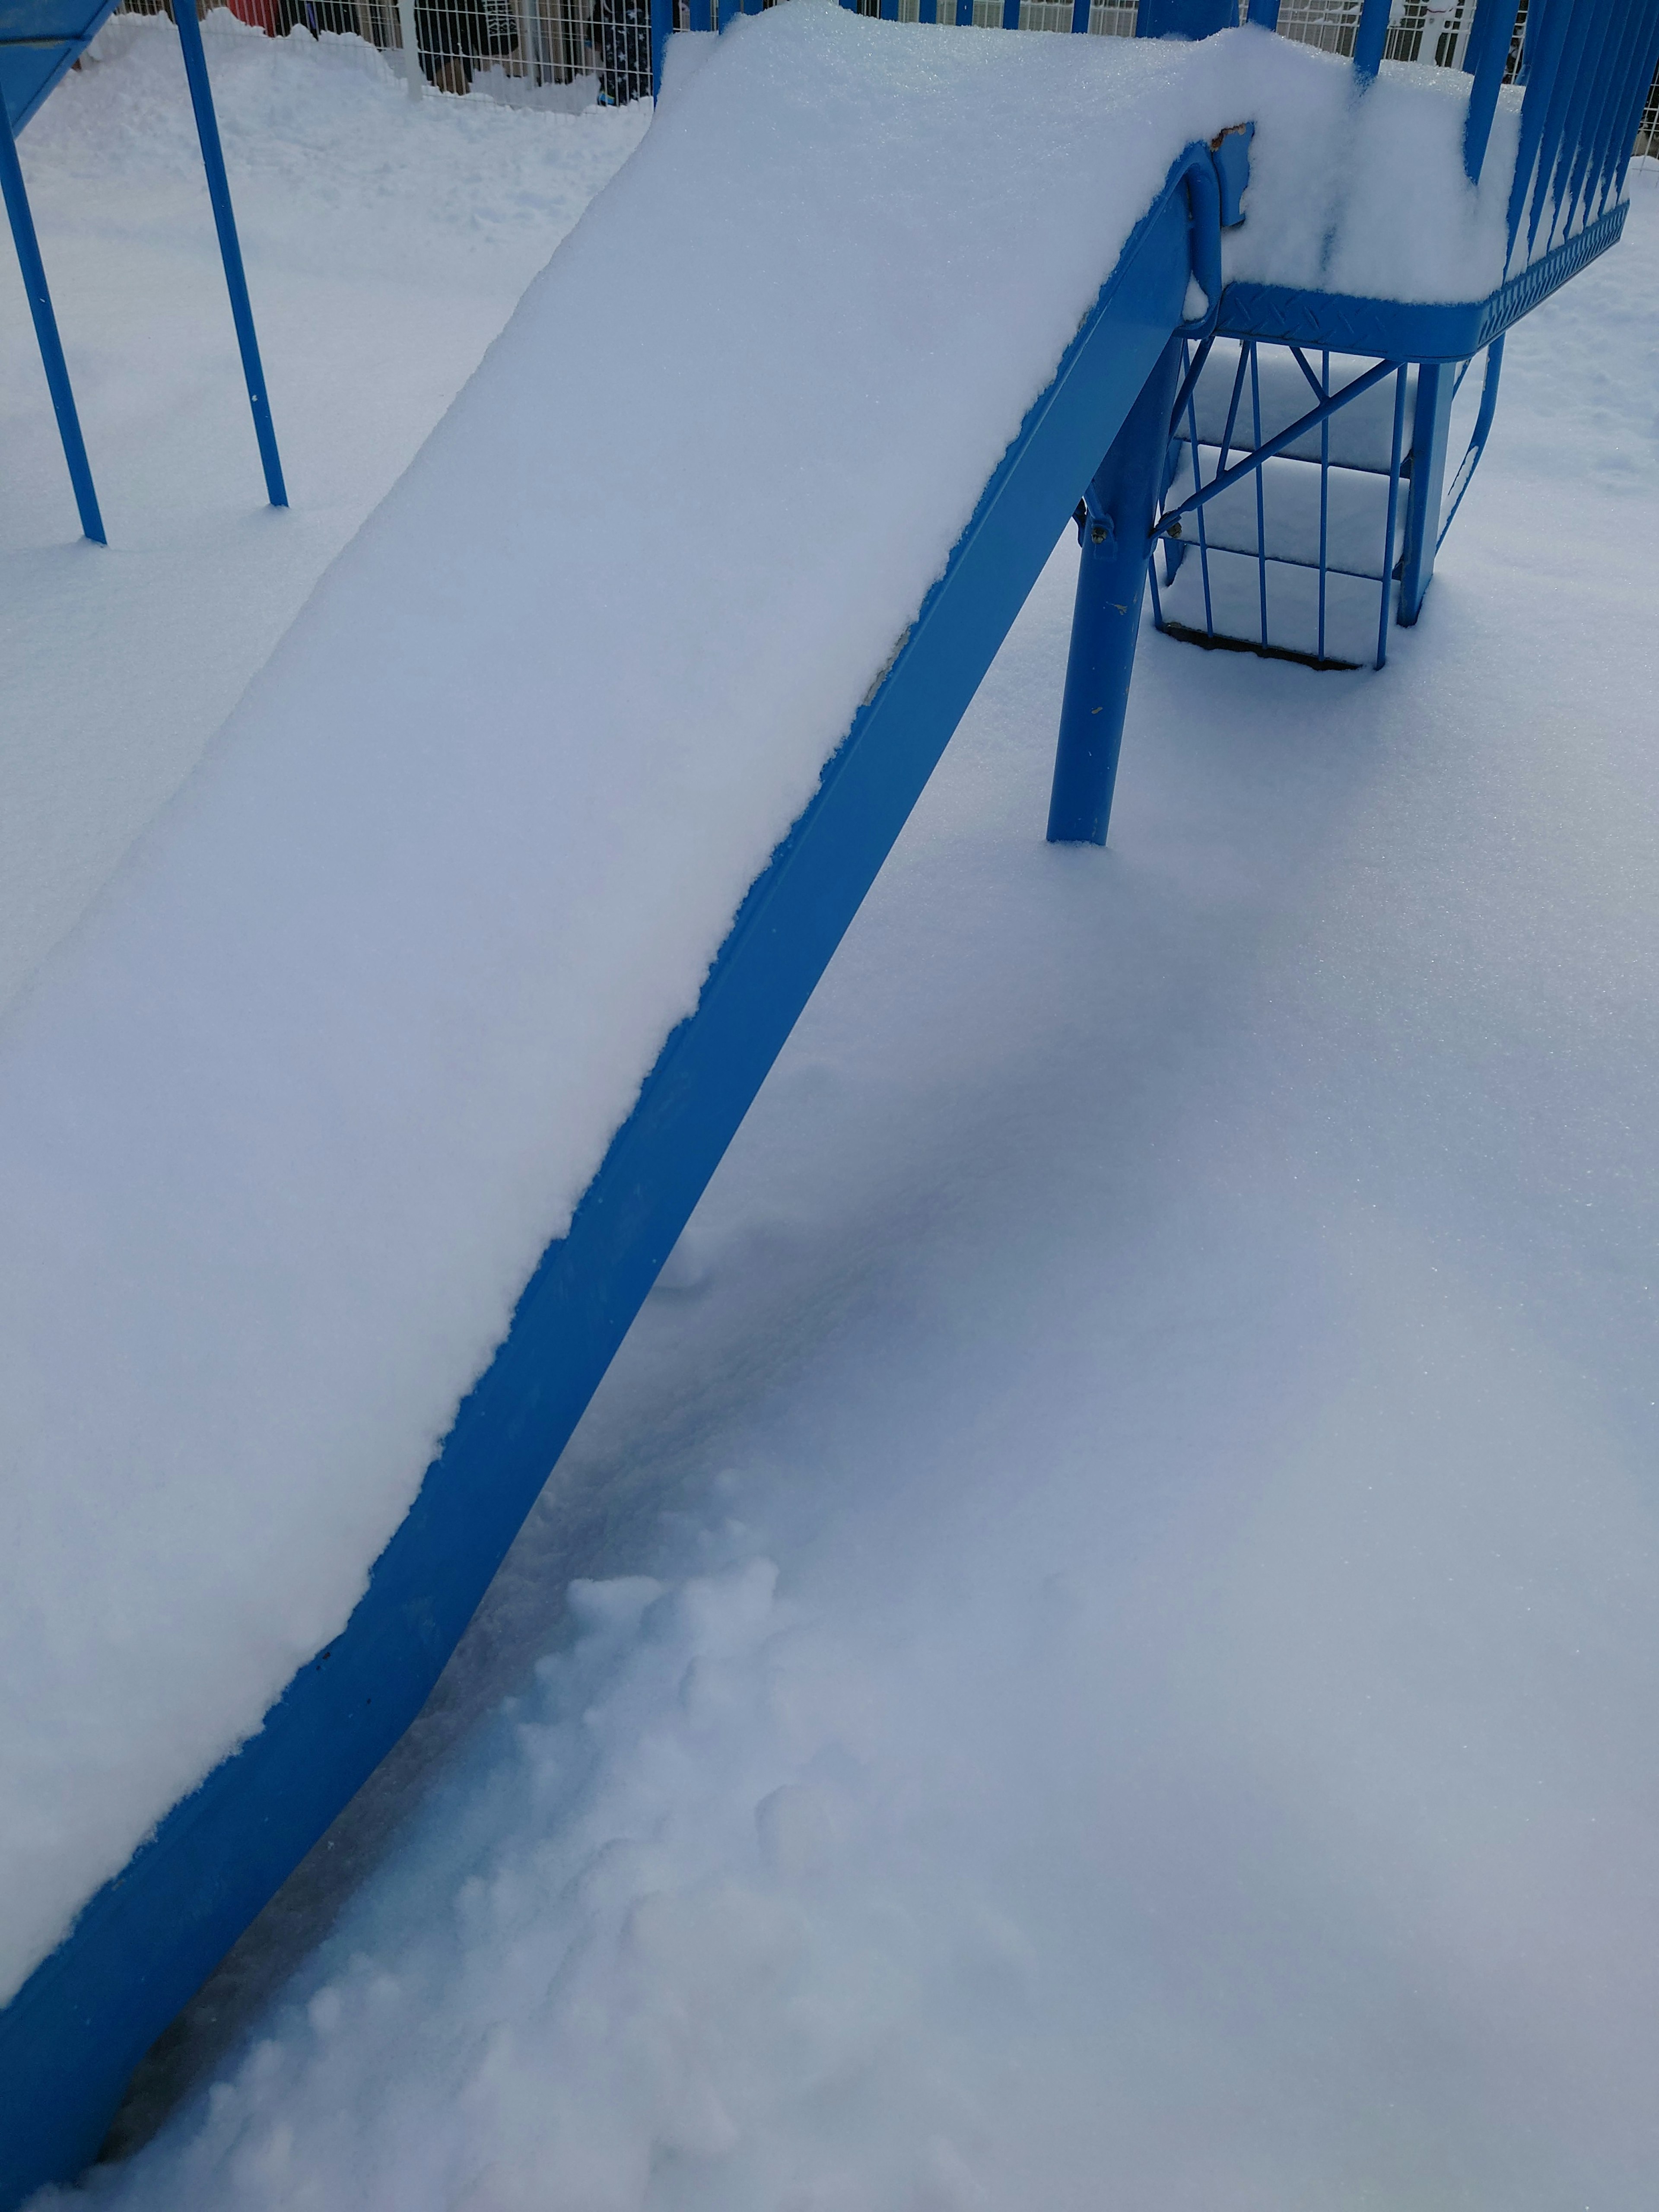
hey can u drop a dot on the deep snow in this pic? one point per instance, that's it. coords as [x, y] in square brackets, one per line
[1181, 1323]
[387, 243]
[286, 1123]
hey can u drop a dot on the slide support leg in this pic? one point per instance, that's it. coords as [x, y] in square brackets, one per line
[218, 184]
[1430, 424]
[46, 331]
[1121, 504]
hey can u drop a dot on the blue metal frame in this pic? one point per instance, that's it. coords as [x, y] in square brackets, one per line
[71, 2036]
[39, 41]
[46, 331]
[230, 251]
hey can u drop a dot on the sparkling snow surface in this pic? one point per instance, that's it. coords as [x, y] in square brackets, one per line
[1142, 1463]
[1145, 1459]
[287, 1121]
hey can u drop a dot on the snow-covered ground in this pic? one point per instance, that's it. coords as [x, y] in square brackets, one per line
[1143, 1690]
[337, 1051]
[387, 241]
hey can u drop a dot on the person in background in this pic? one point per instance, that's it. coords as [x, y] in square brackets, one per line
[314, 16]
[622, 37]
[452, 35]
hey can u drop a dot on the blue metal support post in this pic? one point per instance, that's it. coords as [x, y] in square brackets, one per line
[218, 184]
[662, 29]
[1431, 425]
[1121, 507]
[46, 331]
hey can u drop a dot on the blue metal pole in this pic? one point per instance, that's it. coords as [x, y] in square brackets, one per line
[1080, 18]
[662, 28]
[1644, 78]
[1546, 30]
[1482, 431]
[1494, 27]
[1122, 505]
[1370, 38]
[1431, 429]
[1547, 185]
[1601, 64]
[1265, 12]
[1394, 510]
[1600, 147]
[46, 331]
[218, 184]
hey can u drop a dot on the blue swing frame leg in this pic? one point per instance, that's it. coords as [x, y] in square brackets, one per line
[230, 251]
[45, 331]
[1117, 542]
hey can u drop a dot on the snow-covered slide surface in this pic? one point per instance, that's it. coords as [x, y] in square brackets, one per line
[286, 1124]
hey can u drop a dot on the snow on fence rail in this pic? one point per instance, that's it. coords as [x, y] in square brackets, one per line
[563, 53]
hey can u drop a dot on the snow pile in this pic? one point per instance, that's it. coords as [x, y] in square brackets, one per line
[1128, 1629]
[285, 1126]
[386, 242]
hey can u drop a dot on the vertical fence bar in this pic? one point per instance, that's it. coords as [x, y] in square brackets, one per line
[1563, 95]
[1494, 27]
[1369, 39]
[1393, 515]
[662, 27]
[1324, 495]
[1615, 111]
[1198, 485]
[412, 75]
[1079, 18]
[1431, 429]
[1261, 487]
[218, 184]
[1011, 15]
[1602, 150]
[33, 272]
[1601, 49]
[1644, 77]
[1266, 13]
[1548, 18]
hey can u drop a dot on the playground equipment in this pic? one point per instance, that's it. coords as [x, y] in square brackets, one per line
[1134, 369]
[40, 40]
